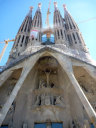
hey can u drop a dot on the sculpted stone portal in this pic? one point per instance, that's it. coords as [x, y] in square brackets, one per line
[48, 98]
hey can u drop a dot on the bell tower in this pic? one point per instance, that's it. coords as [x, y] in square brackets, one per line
[59, 26]
[35, 33]
[22, 36]
[74, 36]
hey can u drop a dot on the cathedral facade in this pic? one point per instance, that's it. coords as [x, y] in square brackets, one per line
[48, 83]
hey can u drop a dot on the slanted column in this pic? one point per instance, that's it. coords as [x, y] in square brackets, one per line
[12, 96]
[27, 68]
[67, 66]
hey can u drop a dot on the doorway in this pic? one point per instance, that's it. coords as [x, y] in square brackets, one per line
[48, 125]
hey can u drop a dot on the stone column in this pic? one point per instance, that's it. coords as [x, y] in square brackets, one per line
[13, 95]
[4, 76]
[27, 68]
[66, 64]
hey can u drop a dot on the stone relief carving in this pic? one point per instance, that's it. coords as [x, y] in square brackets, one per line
[42, 84]
[60, 101]
[48, 98]
[42, 99]
[37, 101]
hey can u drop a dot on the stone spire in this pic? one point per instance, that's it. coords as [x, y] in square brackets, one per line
[59, 27]
[37, 20]
[22, 36]
[37, 24]
[74, 36]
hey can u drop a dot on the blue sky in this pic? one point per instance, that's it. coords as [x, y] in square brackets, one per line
[13, 12]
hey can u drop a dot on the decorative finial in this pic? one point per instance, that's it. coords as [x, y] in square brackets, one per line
[64, 5]
[31, 8]
[39, 5]
[55, 4]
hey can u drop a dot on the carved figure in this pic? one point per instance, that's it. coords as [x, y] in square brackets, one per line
[59, 102]
[47, 100]
[52, 99]
[43, 99]
[37, 101]
[42, 84]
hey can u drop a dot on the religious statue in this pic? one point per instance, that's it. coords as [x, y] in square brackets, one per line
[43, 99]
[37, 101]
[52, 99]
[59, 101]
[42, 84]
[47, 99]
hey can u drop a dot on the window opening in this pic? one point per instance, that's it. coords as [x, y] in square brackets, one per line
[73, 36]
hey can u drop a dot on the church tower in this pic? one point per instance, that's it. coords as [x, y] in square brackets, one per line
[59, 26]
[48, 85]
[22, 36]
[36, 27]
[74, 35]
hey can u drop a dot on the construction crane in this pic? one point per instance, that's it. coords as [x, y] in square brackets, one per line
[48, 31]
[6, 44]
[48, 13]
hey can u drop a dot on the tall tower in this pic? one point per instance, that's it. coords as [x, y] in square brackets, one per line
[36, 27]
[51, 85]
[22, 36]
[59, 26]
[73, 33]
